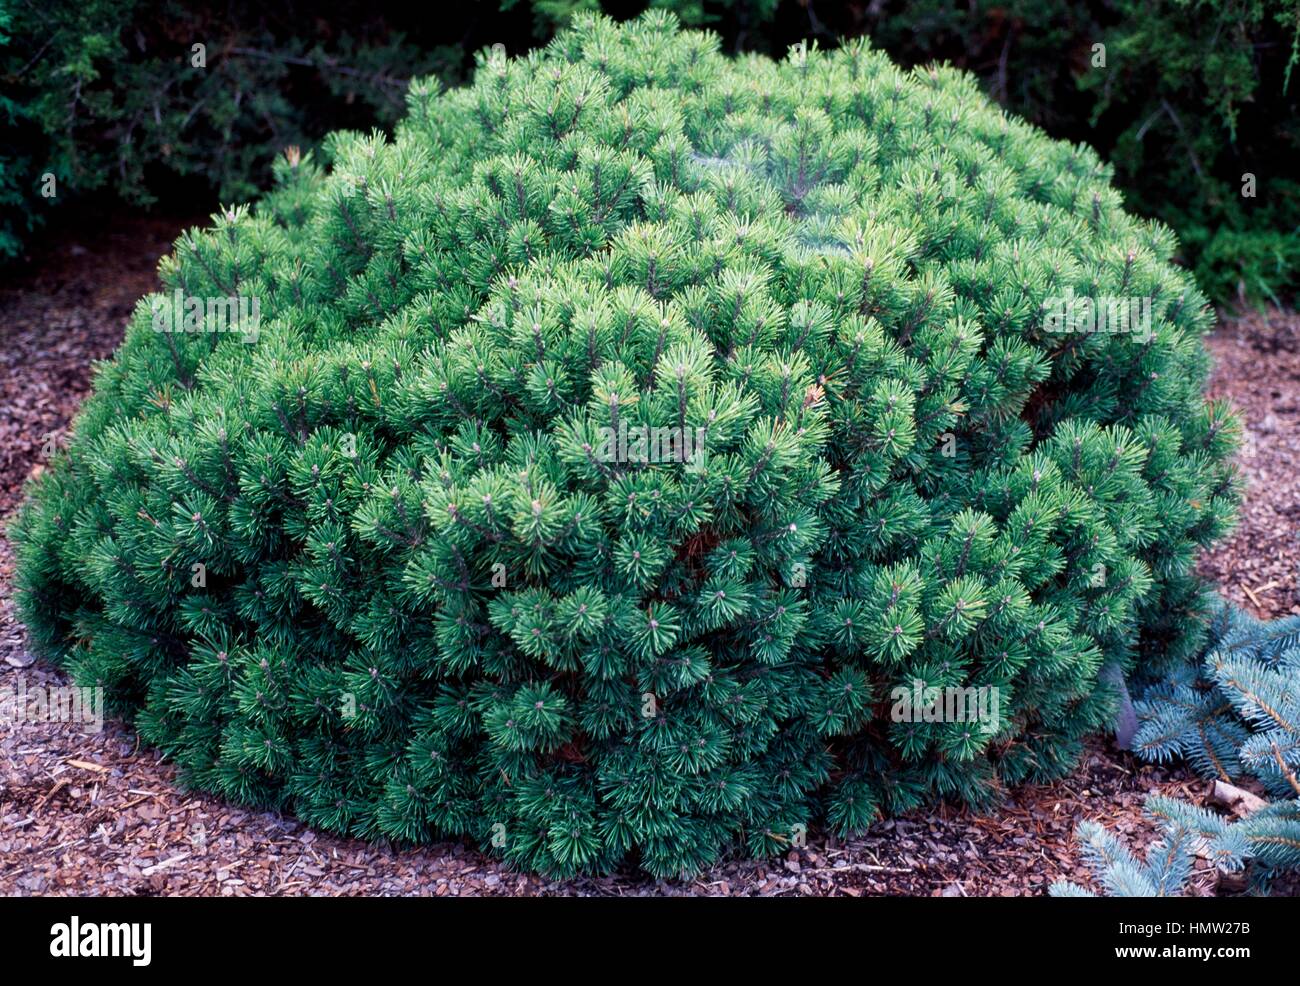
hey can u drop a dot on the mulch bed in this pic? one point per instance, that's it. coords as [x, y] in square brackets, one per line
[1257, 367]
[69, 310]
[96, 813]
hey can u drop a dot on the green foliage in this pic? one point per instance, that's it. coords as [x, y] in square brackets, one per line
[1217, 98]
[106, 95]
[18, 218]
[431, 605]
[1193, 95]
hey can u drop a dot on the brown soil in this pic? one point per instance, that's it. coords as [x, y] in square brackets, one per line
[94, 813]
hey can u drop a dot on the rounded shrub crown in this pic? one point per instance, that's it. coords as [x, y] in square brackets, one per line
[630, 458]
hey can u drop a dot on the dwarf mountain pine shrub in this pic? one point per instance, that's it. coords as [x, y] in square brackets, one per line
[390, 563]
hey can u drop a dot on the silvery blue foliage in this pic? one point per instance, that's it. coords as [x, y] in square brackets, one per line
[1234, 713]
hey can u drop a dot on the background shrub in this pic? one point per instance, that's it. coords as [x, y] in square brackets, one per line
[1193, 95]
[103, 94]
[425, 605]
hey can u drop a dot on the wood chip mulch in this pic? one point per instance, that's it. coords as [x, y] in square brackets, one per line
[1257, 367]
[87, 813]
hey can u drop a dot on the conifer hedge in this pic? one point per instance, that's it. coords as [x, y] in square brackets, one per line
[377, 563]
